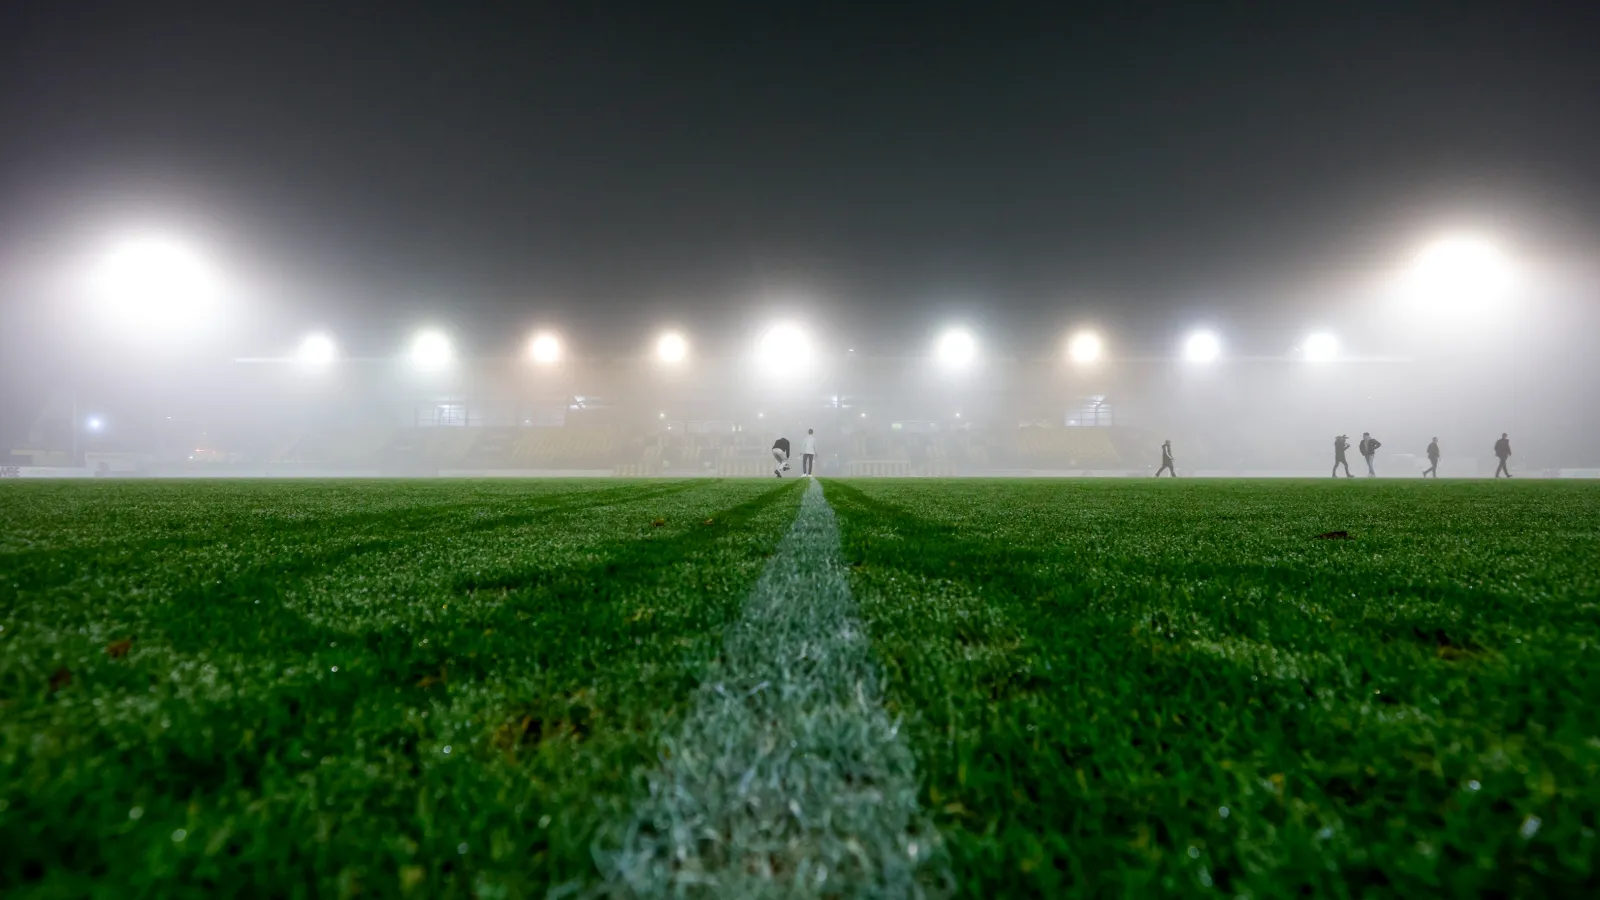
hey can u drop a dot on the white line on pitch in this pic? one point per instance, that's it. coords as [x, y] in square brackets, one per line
[788, 778]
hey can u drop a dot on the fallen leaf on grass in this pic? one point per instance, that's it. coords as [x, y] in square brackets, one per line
[119, 649]
[658, 523]
[708, 522]
[59, 679]
[1334, 536]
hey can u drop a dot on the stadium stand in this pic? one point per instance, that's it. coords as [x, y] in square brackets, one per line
[1071, 448]
[558, 448]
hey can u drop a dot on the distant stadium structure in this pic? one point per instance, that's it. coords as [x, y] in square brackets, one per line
[435, 412]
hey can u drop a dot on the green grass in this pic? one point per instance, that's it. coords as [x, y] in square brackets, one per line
[1089, 674]
[1135, 688]
[428, 688]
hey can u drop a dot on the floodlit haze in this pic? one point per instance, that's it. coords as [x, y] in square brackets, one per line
[1386, 215]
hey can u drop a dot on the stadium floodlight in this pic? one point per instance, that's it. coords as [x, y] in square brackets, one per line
[1084, 348]
[956, 349]
[672, 347]
[1202, 347]
[317, 350]
[94, 424]
[544, 348]
[784, 349]
[1459, 269]
[158, 282]
[1320, 347]
[431, 351]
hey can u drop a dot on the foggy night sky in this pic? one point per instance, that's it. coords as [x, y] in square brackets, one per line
[606, 167]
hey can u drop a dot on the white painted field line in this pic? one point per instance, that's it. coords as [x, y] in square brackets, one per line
[788, 779]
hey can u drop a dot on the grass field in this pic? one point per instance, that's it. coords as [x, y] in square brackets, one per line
[1109, 687]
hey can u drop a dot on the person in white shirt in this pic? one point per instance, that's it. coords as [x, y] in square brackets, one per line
[810, 452]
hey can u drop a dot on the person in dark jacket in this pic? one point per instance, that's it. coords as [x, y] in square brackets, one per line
[1502, 449]
[1433, 460]
[1369, 448]
[1166, 460]
[780, 453]
[1340, 445]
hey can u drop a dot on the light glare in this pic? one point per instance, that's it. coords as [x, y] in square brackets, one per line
[784, 348]
[431, 351]
[157, 282]
[317, 350]
[957, 348]
[671, 347]
[545, 348]
[1084, 348]
[1460, 269]
[1202, 347]
[1321, 347]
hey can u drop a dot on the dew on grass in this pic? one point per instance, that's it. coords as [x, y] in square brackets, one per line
[179, 835]
[136, 813]
[1222, 811]
[1530, 827]
[1194, 852]
[1473, 785]
[447, 749]
[461, 848]
[544, 821]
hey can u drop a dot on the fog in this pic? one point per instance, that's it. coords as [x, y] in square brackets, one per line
[223, 390]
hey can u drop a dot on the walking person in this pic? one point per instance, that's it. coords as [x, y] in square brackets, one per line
[1340, 445]
[1166, 460]
[810, 452]
[1433, 460]
[1502, 449]
[780, 453]
[1369, 448]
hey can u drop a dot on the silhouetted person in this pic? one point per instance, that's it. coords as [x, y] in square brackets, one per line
[780, 454]
[1166, 460]
[1340, 445]
[1433, 460]
[1502, 449]
[1369, 448]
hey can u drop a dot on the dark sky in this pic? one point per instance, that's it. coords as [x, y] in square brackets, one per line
[610, 165]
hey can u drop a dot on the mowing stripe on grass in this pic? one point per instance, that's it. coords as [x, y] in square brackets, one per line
[788, 778]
